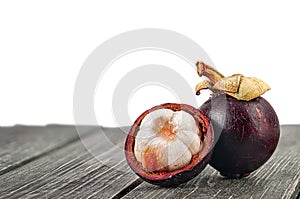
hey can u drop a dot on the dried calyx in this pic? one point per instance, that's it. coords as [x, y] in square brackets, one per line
[237, 85]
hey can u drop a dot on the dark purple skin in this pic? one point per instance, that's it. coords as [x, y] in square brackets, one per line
[249, 133]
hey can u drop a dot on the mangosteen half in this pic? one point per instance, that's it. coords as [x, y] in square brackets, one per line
[169, 144]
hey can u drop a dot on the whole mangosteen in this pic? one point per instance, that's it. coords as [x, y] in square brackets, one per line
[248, 125]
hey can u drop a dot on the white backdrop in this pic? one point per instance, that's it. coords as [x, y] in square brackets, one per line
[44, 44]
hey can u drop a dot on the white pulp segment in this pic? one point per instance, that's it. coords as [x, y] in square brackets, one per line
[191, 140]
[157, 148]
[178, 155]
[168, 154]
[141, 142]
[186, 122]
[149, 119]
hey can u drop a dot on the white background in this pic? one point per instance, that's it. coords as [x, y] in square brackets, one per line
[44, 44]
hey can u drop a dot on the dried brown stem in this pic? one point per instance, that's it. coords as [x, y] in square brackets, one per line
[205, 70]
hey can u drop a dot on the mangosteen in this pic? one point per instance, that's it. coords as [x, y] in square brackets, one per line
[248, 125]
[169, 144]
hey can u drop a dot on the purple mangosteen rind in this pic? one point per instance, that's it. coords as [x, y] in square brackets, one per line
[182, 177]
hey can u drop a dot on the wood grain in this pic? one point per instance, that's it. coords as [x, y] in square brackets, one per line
[94, 167]
[97, 169]
[278, 178]
[21, 144]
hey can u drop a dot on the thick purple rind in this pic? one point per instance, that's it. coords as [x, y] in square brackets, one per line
[249, 134]
[177, 177]
[182, 177]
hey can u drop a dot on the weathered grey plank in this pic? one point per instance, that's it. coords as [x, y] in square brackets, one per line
[74, 172]
[21, 144]
[278, 178]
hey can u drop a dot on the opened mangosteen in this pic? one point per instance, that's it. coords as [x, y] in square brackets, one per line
[248, 124]
[169, 144]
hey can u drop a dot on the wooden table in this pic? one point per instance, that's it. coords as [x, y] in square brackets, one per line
[54, 162]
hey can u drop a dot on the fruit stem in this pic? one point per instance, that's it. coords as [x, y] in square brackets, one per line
[205, 70]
